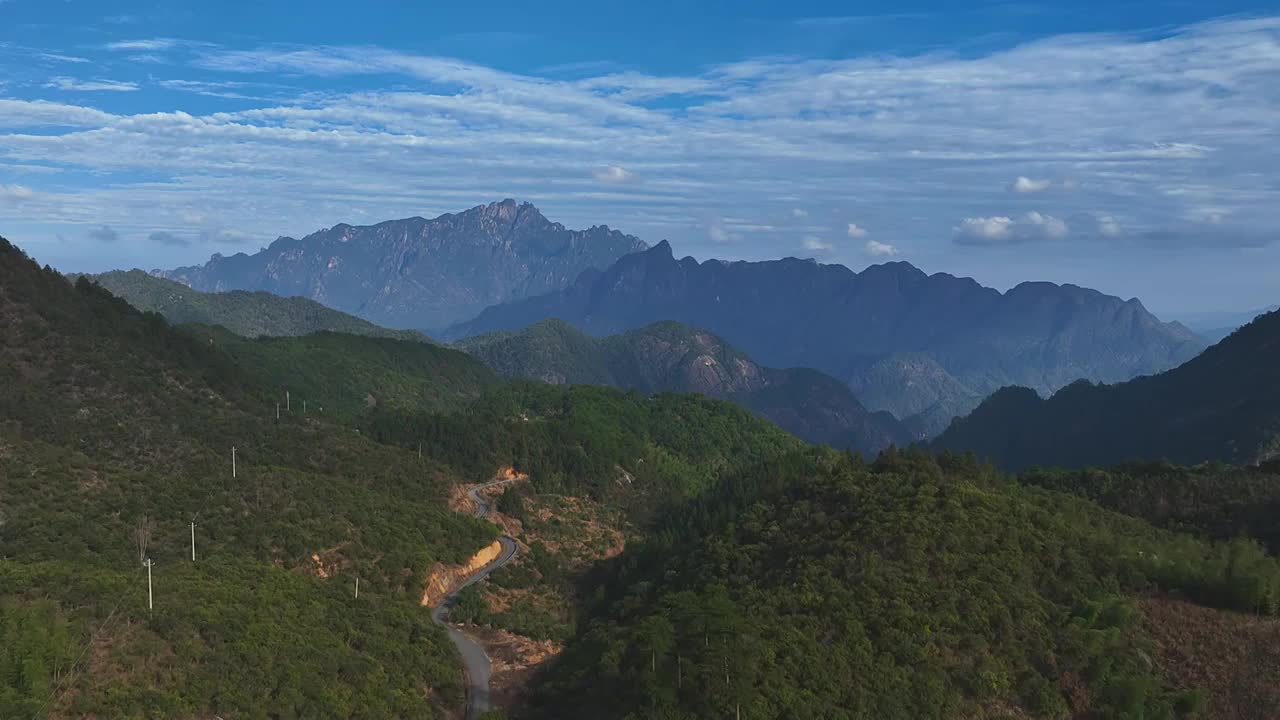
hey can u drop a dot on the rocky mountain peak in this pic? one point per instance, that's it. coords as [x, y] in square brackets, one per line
[505, 210]
[419, 273]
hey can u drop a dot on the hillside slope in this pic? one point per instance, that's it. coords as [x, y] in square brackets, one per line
[347, 377]
[816, 586]
[251, 314]
[798, 313]
[418, 273]
[116, 432]
[1224, 405]
[670, 357]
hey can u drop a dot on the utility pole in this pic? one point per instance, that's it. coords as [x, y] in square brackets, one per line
[193, 540]
[150, 602]
[304, 407]
[277, 412]
[286, 400]
[233, 461]
[357, 587]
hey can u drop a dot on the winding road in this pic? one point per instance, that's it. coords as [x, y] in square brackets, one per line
[474, 661]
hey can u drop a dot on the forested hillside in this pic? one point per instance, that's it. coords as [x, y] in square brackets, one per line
[348, 377]
[117, 431]
[1215, 501]
[591, 440]
[671, 357]
[1224, 405]
[251, 314]
[770, 578]
[817, 586]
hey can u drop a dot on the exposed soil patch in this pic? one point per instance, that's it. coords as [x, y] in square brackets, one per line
[515, 659]
[1233, 657]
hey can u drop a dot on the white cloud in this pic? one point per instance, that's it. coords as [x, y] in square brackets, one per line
[855, 231]
[1000, 229]
[70, 83]
[614, 174]
[879, 249]
[985, 229]
[1027, 185]
[1050, 227]
[799, 213]
[1109, 227]
[1165, 125]
[15, 192]
[816, 244]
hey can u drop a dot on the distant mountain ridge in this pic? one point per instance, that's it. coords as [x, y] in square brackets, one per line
[418, 273]
[671, 357]
[1214, 326]
[245, 313]
[931, 345]
[1221, 406]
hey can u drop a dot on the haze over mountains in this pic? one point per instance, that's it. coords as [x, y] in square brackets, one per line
[418, 273]
[670, 357]
[665, 357]
[1221, 406]
[251, 314]
[1214, 326]
[923, 347]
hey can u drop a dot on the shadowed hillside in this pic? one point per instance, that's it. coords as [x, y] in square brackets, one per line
[670, 357]
[960, 341]
[1224, 405]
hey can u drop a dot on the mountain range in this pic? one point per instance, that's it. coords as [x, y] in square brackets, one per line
[1221, 406]
[671, 357]
[925, 348]
[418, 273]
[665, 357]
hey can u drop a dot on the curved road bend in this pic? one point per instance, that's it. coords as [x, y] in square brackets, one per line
[475, 662]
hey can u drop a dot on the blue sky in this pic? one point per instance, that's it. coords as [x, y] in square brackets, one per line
[1127, 146]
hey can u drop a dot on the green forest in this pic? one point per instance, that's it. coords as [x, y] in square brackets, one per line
[116, 434]
[248, 314]
[912, 587]
[583, 439]
[765, 577]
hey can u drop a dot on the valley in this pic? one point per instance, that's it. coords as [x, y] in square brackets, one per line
[639, 361]
[475, 662]
[548, 523]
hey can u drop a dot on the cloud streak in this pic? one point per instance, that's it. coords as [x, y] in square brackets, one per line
[920, 148]
[72, 84]
[151, 44]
